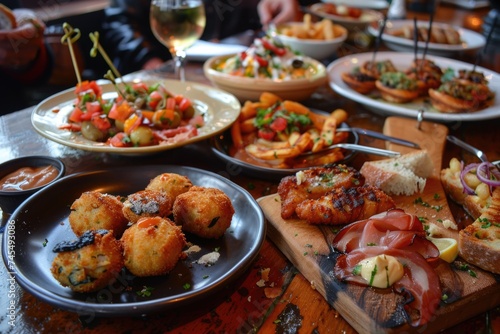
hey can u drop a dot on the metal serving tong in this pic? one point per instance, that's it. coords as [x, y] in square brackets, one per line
[355, 147]
[378, 135]
[365, 149]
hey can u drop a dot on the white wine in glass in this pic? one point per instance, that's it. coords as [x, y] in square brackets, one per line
[177, 24]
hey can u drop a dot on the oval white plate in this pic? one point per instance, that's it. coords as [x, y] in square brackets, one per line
[470, 40]
[402, 61]
[219, 108]
[367, 16]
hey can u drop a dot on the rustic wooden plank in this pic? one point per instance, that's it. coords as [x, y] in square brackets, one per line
[303, 305]
[305, 246]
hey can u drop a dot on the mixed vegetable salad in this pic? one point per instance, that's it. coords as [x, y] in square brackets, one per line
[141, 115]
[268, 58]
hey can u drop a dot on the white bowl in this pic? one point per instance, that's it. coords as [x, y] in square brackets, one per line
[315, 48]
[245, 88]
[352, 24]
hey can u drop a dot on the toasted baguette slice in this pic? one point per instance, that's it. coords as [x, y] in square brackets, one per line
[450, 179]
[479, 243]
[472, 204]
[404, 175]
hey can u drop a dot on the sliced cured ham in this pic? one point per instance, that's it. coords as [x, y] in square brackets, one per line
[419, 285]
[393, 229]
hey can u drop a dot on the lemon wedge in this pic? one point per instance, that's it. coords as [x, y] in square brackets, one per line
[448, 248]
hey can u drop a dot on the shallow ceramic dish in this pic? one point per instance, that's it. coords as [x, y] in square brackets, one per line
[350, 23]
[245, 88]
[34, 161]
[402, 61]
[42, 222]
[470, 40]
[219, 109]
[10, 200]
[220, 147]
[315, 48]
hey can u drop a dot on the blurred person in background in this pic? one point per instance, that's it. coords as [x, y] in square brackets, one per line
[25, 58]
[128, 38]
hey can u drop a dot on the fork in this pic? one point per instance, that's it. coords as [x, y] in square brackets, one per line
[355, 147]
[471, 149]
[378, 135]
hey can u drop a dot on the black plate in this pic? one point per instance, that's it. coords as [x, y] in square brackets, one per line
[220, 145]
[43, 219]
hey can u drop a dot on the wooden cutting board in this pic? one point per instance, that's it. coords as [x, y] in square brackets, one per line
[371, 310]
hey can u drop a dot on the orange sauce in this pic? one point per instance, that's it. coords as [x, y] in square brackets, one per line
[28, 177]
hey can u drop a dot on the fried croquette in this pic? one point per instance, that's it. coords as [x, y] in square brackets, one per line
[90, 263]
[94, 211]
[205, 212]
[152, 246]
[171, 184]
[147, 203]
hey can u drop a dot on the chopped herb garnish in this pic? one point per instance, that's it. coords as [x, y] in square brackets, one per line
[45, 242]
[186, 286]
[146, 291]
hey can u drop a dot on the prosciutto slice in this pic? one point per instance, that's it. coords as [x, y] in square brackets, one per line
[419, 284]
[402, 236]
[393, 229]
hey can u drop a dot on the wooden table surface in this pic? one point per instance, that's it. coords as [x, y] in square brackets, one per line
[242, 306]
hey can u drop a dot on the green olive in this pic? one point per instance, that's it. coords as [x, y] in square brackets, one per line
[176, 121]
[90, 132]
[188, 113]
[119, 125]
[142, 136]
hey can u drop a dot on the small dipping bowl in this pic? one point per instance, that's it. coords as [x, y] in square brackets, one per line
[10, 200]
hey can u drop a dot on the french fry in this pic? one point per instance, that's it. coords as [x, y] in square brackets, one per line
[281, 153]
[296, 107]
[236, 135]
[294, 136]
[248, 110]
[248, 126]
[328, 131]
[340, 114]
[322, 30]
[268, 99]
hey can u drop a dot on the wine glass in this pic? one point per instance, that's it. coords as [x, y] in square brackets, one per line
[177, 24]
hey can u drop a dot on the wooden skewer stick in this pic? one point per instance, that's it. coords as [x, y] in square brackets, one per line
[415, 39]
[71, 36]
[426, 47]
[377, 42]
[94, 37]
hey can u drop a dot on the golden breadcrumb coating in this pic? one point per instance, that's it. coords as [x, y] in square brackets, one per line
[147, 203]
[152, 246]
[91, 267]
[205, 212]
[94, 211]
[170, 183]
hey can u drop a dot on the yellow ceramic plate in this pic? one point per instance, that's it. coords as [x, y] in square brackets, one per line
[219, 109]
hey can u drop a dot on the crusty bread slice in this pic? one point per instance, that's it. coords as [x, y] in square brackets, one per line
[479, 243]
[472, 204]
[404, 175]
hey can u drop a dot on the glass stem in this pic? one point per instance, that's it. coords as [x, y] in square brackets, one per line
[180, 57]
